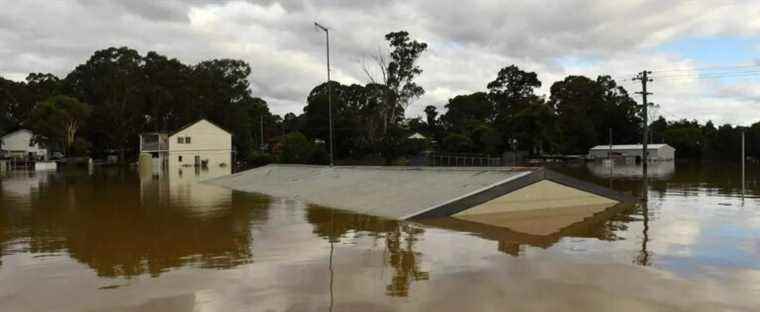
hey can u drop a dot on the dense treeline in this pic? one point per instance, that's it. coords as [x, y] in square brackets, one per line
[576, 116]
[103, 104]
[118, 93]
[705, 141]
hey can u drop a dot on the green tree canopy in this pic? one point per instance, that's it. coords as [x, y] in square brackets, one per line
[56, 121]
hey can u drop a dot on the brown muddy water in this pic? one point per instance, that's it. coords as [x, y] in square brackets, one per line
[111, 240]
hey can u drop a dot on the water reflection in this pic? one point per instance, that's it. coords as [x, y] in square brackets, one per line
[19, 186]
[603, 225]
[399, 239]
[644, 255]
[660, 170]
[98, 221]
[117, 241]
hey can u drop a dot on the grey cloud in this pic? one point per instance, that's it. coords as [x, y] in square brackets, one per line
[468, 41]
[165, 10]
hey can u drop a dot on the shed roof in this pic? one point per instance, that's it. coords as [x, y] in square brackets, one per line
[629, 147]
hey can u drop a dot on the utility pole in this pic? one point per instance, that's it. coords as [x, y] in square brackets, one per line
[744, 158]
[610, 162]
[329, 89]
[644, 78]
[261, 129]
[609, 152]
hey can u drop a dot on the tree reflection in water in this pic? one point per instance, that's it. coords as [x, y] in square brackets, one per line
[399, 239]
[102, 224]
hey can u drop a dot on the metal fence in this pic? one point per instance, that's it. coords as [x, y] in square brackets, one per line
[463, 160]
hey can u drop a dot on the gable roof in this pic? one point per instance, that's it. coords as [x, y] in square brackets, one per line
[195, 122]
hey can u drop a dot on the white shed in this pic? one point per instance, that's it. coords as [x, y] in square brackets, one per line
[656, 152]
[18, 144]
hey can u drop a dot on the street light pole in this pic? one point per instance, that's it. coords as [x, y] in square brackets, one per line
[329, 89]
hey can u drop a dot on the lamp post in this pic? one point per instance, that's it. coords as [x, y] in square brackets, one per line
[329, 88]
[513, 143]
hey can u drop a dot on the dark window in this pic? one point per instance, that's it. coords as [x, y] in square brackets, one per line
[187, 140]
[179, 159]
[180, 140]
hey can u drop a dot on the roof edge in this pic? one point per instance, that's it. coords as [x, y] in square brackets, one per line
[195, 122]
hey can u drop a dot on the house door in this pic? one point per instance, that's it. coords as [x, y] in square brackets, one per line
[197, 161]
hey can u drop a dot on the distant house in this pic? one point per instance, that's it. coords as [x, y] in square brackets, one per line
[19, 144]
[201, 144]
[656, 152]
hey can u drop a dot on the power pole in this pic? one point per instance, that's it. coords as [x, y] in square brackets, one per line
[261, 129]
[644, 78]
[609, 152]
[610, 162]
[744, 158]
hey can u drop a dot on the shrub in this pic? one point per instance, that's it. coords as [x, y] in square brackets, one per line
[457, 143]
[296, 148]
[257, 158]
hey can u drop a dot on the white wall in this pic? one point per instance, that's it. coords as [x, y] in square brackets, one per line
[207, 141]
[19, 141]
[667, 153]
[662, 153]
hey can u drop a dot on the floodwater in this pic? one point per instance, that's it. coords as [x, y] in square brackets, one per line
[113, 240]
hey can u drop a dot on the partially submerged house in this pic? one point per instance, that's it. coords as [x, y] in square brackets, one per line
[19, 144]
[634, 152]
[200, 144]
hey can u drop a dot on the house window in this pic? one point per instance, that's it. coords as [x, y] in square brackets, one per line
[187, 140]
[180, 140]
[179, 159]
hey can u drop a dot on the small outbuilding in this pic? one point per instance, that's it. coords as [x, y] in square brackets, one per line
[656, 152]
[19, 144]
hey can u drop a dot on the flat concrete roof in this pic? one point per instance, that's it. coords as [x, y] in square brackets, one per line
[391, 192]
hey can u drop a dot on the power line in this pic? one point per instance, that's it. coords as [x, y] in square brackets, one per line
[710, 75]
[710, 68]
[744, 75]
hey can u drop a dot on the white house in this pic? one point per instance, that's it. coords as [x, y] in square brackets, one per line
[18, 144]
[656, 152]
[201, 144]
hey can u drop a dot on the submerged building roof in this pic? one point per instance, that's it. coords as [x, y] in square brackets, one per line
[481, 195]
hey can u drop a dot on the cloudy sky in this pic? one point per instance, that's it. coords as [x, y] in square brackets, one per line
[705, 54]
